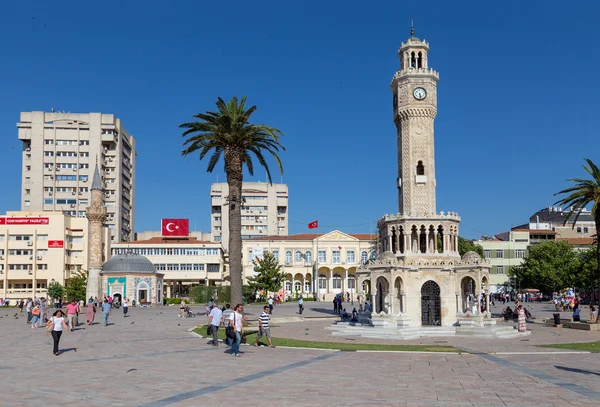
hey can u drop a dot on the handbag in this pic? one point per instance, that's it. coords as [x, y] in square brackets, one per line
[209, 330]
[49, 326]
[229, 332]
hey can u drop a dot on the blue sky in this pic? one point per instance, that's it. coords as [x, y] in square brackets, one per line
[517, 98]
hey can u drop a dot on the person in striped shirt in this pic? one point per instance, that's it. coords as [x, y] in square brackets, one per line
[264, 327]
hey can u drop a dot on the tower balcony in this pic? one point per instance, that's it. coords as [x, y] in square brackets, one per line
[416, 72]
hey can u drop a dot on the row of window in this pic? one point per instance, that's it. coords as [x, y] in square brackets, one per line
[67, 142]
[24, 237]
[211, 268]
[336, 282]
[169, 251]
[306, 256]
[66, 154]
[61, 178]
[24, 286]
[74, 253]
[66, 189]
[519, 254]
[50, 201]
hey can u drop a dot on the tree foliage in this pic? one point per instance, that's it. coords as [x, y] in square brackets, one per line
[555, 265]
[55, 290]
[229, 133]
[466, 245]
[269, 276]
[76, 286]
[582, 194]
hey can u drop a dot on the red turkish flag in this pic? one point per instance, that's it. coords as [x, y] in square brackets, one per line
[313, 225]
[175, 227]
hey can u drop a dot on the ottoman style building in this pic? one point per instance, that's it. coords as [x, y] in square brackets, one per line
[419, 277]
[96, 214]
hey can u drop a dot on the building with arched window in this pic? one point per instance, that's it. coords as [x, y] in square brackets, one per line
[337, 257]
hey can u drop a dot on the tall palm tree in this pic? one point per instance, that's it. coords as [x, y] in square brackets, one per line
[585, 191]
[228, 132]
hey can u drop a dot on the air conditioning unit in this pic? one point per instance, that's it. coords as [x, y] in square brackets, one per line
[39, 257]
[74, 169]
[85, 180]
[80, 193]
[30, 272]
[50, 193]
[72, 206]
[30, 257]
[1, 257]
[73, 193]
[57, 168]
[29, 243]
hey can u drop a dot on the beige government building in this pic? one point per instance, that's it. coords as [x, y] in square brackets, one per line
[59, 154]
[37, 248]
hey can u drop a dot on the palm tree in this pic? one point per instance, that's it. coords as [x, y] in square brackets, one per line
[585, 191]
[229, 133]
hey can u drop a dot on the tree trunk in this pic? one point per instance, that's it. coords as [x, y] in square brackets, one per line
[233, 169]
[597, 221]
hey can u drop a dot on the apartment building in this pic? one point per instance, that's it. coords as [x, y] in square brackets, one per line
[185, 262]
[59, 154]
[264, 210]
[38, 248]
[553, 218]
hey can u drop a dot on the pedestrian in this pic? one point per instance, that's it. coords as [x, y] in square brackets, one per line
[593, 314]
[181, 309]
[28, 308]
[300, 305]
[214, 321]
[360, 302]
[43, 309]
[72, 309]
[21, 305]
[235, 320]
[264, 327]
[227, 311]
[522, 320]
[125, 306]
[90, 313]
[335, 306]
[35, 312]
[57, 322]
[270, 301]
[106, 311]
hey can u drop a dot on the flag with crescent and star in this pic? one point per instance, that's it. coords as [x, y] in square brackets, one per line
[175, 227]
[313, 225]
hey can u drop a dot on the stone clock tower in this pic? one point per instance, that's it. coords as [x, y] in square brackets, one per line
[415, 107]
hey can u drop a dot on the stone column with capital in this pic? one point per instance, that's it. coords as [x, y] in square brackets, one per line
[96, 215]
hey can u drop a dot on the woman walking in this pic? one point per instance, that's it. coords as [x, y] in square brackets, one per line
[58, 324]
[90, 313]
[36, 315]
[125, 306]
[522, 321]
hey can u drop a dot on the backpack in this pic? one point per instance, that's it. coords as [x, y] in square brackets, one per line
[229, 329]
[35, 311]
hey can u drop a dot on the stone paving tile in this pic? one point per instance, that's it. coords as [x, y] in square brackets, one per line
[154, 358]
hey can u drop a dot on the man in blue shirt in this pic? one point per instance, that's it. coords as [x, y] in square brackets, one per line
[106, 310]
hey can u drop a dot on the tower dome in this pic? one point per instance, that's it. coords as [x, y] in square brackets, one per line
[128, 263]
[471, 256]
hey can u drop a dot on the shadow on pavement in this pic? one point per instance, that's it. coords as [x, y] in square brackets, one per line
[575, 370]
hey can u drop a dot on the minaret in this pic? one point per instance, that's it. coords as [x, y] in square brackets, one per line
[96, 214]
[414, 89]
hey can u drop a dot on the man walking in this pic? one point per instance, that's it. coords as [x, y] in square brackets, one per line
[300, 305]
[72, 309]
[214, 320]
[264, 327]
[270, 301]
[235, 320]
[227, 311]
[106, 311]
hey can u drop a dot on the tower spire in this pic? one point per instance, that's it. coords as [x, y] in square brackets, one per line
[96, 183]
[412, 27]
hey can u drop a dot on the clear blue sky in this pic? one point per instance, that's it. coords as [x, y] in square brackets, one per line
[517, 99]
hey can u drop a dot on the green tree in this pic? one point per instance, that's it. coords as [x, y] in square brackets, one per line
[229, 133]
[585, 275]
[269, 276]
[548, 266]
[466, 245]
[55, 290]
[76, 286]
[582, 194]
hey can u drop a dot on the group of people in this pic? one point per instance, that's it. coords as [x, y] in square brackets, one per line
[233, 321]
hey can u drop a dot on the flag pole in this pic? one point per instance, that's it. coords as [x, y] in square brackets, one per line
[315, 277]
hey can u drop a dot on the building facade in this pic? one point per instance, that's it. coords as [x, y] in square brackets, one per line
[182, 262]
[37, 248]
[335, 255]
[59, 154]
[554, 218]
[265, 211]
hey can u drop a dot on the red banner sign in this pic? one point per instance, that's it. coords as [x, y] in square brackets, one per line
[24, 221]
[175, 227]
[56, 244]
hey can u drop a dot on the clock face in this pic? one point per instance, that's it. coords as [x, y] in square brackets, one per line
[419, 93]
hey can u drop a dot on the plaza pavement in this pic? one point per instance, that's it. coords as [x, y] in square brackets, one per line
[150, 359]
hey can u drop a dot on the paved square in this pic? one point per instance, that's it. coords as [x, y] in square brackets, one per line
[149, 359]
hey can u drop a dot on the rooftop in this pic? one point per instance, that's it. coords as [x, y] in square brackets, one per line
[313, 236]
[169, 240]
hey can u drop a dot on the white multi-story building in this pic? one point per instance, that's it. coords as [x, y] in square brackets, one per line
[38, 248]
[184, 262]
[59, 154]
[264, 210]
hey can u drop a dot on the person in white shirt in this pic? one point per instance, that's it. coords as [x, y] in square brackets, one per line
[125, 306]
[235, 320]
[214, 321]
[58, 324]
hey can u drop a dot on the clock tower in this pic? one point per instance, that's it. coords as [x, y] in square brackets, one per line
[415, 107]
